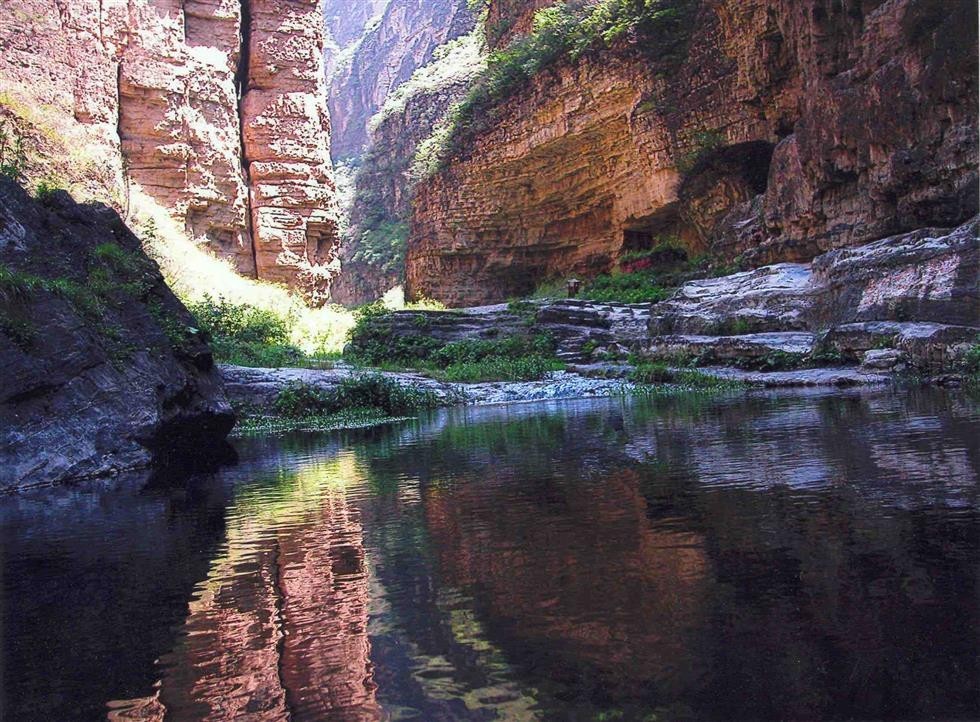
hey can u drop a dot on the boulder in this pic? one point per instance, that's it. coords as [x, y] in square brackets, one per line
[928, 275]
[771, 298]
[104, 370]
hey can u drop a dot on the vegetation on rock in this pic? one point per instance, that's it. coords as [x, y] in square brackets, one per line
[364, 391]
[661, 373]
[527, 356]
[564, 31]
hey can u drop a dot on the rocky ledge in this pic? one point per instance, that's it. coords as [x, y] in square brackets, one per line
[103, 370]
[906, 304]
[257, 388]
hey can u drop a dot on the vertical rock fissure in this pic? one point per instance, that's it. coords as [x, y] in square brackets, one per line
[241, 82]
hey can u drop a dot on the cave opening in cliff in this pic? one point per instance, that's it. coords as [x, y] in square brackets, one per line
[664, 228]
[719, 182]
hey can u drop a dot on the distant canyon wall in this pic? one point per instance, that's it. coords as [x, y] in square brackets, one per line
[786, 128]
[392, 87]
[216, 108]
[405, 39]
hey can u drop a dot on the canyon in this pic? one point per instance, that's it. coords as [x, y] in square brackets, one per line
[217, 110]
[404, 39]
[395, 86]
[781, 131]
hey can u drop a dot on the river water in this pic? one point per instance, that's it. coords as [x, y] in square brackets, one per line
[762, 556]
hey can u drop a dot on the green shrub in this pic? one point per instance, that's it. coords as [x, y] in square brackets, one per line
[45, 189]
[971, 360]
[510, 347]
[13, 154]
[365, 391]
[530, 368]
[652, 373]
[245, 335]
[660, 373]
[518, 357]
[638, 287]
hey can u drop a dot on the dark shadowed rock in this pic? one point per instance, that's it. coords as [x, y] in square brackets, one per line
[103, 369]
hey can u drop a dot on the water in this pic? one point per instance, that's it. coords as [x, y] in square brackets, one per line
[795, 556]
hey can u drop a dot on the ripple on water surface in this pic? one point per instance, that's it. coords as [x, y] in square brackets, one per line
[785, 556]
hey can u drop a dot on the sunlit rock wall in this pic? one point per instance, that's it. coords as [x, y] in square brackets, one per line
[785, 130]
[184, 98]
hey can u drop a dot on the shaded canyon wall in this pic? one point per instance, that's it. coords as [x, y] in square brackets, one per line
[785, 129]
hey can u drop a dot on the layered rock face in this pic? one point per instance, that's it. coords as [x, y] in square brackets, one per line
[404, 40]
[214, 108]
[286, 143]
[786, 129]
[103, 370]
[906, 301]
[372, 252]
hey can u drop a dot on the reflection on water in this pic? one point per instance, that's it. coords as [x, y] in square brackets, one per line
[804, 556]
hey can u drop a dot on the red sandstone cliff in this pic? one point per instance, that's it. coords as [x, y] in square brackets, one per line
[215, 108]
[800, 127]
[405, 38]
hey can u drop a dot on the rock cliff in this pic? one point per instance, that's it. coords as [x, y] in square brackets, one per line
[386, 56]
[373, 248]
[215, 108]
[103, 368]
[785, 129]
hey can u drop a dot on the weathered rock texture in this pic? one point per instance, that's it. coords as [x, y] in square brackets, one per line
[915, 294]
[373, 249]
[286, 142]
[405, 39]
[215, 108]
[506, 19]
[102, 371]
[785, 130]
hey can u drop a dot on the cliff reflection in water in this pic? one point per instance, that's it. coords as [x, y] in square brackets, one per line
[279, 627]
[801, 556]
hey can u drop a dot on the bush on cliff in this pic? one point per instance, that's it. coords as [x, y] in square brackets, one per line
[566, 31]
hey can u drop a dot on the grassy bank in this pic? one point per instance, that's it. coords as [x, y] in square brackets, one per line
[358, 401]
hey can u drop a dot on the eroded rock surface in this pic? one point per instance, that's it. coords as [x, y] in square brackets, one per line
[215, 108]
[103, 370]
[916, 293]
[787, 129]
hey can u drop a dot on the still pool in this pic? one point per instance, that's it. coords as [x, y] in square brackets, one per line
[799, 556]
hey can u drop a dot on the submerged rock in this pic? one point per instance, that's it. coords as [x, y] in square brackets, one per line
[103, 368]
